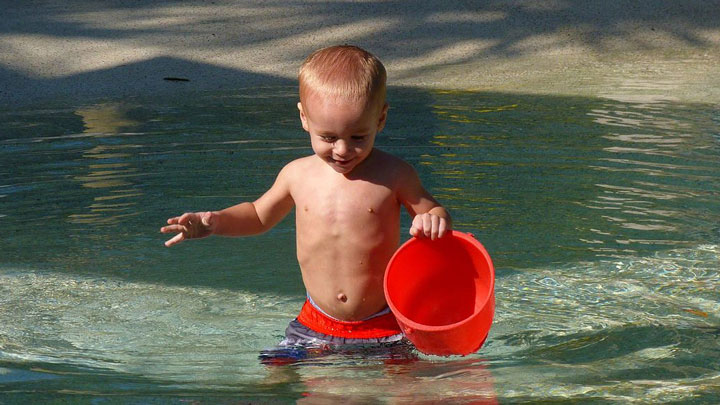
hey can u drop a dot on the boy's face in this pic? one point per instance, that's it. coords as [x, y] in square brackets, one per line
[342, 132]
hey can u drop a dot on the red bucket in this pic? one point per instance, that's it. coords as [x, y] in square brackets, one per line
[442, 293]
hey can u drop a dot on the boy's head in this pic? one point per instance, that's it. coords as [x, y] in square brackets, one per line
[344, 72]
[342, 104]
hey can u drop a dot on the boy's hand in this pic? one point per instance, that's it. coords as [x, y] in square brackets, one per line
[190, 226]
[429, 226]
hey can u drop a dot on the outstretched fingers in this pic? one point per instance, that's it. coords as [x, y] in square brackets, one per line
[173, 228]
[177, 225]
[175, 239]
[184, 219]
[190, 225]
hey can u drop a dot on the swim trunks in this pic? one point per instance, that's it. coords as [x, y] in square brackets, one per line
[313, 326]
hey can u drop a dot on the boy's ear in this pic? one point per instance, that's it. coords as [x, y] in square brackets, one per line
[303, 117]
[383, 117]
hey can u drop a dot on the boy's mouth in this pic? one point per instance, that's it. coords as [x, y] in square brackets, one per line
[342, 166]
[342, 162]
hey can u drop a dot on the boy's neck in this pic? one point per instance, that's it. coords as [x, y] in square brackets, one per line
[360, 171]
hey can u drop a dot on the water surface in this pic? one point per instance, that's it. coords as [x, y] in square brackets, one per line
[602, 217]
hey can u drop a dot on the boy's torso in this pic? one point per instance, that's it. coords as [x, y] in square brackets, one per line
[348, 227]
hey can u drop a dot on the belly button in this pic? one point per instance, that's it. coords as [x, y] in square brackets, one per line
[370, 210]
[342, 297]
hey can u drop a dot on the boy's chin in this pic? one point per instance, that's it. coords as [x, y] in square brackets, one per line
[343, 168]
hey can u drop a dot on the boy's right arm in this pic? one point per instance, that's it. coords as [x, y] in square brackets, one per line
[239, 220]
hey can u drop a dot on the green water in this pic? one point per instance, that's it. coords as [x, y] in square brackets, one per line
[602, 218]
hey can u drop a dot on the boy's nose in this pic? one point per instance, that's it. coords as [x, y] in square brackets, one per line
[340, 147]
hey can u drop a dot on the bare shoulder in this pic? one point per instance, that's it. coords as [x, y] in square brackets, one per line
[400, 176]
[296, 173]
[297, 167]
[301, 163]
[389, 163]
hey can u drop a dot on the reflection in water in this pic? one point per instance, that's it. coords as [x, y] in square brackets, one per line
[111, 170]
[626, 164]
[361, 376]
[652, 172]
[422, 381]
[105, 119]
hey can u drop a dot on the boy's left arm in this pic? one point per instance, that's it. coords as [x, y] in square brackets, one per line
[430, 219]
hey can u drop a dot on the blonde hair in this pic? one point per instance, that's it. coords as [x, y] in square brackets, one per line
[344, 71]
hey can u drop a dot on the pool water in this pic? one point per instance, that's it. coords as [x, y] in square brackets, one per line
[602, 216]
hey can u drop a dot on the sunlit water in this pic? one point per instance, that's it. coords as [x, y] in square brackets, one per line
[602, 217]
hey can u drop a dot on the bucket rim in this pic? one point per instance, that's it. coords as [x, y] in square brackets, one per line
[468, 237]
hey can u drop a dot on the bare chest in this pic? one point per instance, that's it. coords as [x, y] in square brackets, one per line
[348, 204]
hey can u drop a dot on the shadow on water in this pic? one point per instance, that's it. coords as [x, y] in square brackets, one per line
[538, 179]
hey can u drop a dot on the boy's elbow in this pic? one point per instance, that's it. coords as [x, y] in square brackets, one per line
[240, 220]
[262, 227]
[258, 225]
[267, 219]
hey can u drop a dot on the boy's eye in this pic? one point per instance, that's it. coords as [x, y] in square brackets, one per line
[358, 138]
[327, 138]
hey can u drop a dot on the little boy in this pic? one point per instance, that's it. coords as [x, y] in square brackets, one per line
[347, 198]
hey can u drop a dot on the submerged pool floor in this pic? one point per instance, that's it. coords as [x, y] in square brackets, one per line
[602, 218]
